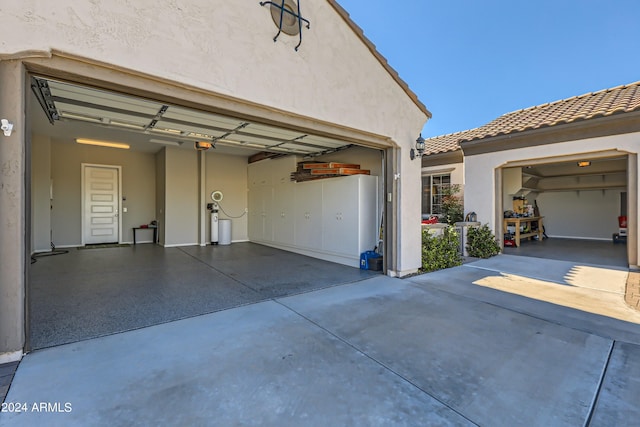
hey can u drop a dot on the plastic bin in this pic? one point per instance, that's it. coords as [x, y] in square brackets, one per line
[225, 232]
[366, 259]
[622, 221]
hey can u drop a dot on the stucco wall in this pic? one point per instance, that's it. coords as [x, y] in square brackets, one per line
[13, 219]
[226, 47]
[455, 169]
[138, 186]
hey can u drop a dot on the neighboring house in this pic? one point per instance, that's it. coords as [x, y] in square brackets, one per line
[159, 77]
[577, 158]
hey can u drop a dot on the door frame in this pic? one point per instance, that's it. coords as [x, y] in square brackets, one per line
[82, 198]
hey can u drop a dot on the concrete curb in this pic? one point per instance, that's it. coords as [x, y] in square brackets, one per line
[632, 292]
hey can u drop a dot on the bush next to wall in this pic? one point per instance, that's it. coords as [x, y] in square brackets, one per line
[440, 252]
[481, 242]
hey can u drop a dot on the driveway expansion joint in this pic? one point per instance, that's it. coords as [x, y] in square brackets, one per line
[376, 361]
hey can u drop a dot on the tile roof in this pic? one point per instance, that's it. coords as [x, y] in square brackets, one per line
[620, 99]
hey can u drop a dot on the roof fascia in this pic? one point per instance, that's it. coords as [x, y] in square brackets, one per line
[585, 129]
[441, 159]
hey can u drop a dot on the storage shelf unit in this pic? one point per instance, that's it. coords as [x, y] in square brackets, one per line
[606, 180]
[333, 219]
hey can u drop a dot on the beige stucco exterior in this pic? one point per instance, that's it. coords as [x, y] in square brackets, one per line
[213, 55]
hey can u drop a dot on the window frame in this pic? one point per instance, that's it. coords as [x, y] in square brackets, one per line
[433, 192]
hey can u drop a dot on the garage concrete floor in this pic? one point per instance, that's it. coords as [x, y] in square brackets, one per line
[94, 292]
[597, 252]
[446, 348]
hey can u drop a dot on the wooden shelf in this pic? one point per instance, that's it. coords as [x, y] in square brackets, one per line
[593, 188]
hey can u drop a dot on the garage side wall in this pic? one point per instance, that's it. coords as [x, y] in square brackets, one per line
[228, 174]
[40, 194]
[181, 198]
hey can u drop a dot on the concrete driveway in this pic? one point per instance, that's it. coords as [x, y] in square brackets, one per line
[464, 346]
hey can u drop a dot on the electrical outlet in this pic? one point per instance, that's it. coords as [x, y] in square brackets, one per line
[246, 210]
[124, 210]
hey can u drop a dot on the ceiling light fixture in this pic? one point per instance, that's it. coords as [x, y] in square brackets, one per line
[102, 143]
[584, 164]
[202, 145]
[162, 141]
[84, 118]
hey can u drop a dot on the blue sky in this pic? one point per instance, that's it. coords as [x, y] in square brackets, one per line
[471, 61]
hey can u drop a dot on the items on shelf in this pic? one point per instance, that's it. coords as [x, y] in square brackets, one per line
[307, 171]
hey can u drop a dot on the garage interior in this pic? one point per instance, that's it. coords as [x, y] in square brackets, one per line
[580, 202]
[101, 283]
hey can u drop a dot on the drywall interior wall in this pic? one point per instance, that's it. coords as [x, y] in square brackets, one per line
[580, 214]
[181, 197]
[40, 193]
[511, 184]
[228, 174]
[138, 187]
[161, 159]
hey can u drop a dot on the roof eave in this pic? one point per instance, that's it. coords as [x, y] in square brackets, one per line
[614, 124]
[443, 158]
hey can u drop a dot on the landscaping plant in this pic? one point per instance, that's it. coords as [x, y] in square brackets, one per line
[440, 252]
[481, 242]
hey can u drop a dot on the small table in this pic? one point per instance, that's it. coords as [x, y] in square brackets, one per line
[155, 233]
[524, 220]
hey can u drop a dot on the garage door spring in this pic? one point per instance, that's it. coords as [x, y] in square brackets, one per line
[297, 16]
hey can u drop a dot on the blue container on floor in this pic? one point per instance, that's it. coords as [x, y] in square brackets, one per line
[365, 258]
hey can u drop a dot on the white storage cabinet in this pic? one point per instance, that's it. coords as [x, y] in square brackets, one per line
[335, 219]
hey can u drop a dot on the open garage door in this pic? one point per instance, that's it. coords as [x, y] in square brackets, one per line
[151, 124]
[167, 177]
[580, 203]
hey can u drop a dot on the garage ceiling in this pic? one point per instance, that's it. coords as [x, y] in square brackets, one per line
[151, 125]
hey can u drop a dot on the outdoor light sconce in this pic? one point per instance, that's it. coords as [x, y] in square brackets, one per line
[419, 150]
[7, 127]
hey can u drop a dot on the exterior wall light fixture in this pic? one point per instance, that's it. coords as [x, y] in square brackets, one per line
[419, 150]
[6, 127]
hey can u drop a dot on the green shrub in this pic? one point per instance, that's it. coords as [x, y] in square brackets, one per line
[481, 242]
[440, 252]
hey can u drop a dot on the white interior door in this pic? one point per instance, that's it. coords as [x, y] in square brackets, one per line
[101, 204]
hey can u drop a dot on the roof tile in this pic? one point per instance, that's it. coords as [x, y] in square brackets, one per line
[617, 100]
